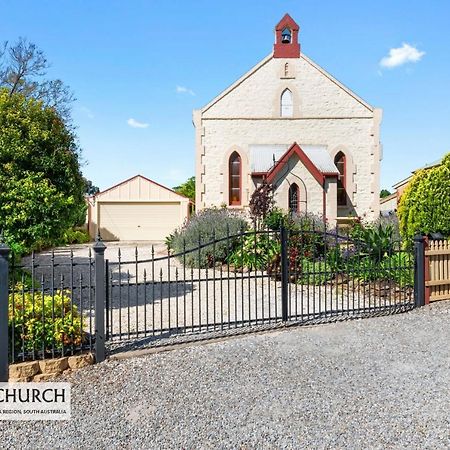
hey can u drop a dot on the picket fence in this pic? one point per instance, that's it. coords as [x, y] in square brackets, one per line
[437, 270]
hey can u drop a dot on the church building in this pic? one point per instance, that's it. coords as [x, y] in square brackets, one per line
[290, 123]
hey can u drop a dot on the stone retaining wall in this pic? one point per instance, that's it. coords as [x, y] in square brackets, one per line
[48, 369]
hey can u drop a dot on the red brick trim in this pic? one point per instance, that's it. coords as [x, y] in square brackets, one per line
[291, 50]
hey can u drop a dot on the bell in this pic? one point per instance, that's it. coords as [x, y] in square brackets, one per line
[286, 36]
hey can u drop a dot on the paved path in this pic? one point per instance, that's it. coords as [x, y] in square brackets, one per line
[373, 383]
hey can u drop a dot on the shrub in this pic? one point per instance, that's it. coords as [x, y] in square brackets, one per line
[335, 260]
[169, 241]
[308, 222]
[75, 236]
[30, 319]
[398, 267]
[255, 251]
[261, 203]
[392, 221]
[315, 272]
[425, 204]
[275, 219]
[308, 244]
[377, 241]
[204, 227]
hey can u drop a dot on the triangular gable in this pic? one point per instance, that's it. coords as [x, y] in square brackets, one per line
[287, 21]
[237, 83]
[144, 178]
[295, 149]
[269, 58]
[336, 82]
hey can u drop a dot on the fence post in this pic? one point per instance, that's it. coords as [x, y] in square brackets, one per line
[284, 273]
[4, 288]
[419, 270]
[107, 297]
[426, 270]
[100, 297]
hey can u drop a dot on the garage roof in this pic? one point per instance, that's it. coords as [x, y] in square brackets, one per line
[139, 179]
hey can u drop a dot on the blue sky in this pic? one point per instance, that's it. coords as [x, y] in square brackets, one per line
[139, 68]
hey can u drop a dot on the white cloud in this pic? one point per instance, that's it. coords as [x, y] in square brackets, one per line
[136, 124]
[184, 90]
[401, 55]
[85, 110]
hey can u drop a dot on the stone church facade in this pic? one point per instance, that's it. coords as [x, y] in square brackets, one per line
[290, 123]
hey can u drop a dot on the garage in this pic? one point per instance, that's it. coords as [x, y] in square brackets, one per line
[137, 209]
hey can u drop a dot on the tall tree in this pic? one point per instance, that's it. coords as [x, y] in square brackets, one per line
[90, 188]
[187, 188]
[23, 70]
[42, 189]
[384, 193]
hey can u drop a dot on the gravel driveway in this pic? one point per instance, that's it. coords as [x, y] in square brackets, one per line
[373, 383]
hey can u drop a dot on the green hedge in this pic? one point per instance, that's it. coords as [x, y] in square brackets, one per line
[425, 204]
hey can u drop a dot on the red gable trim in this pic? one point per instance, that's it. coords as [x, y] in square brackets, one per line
[259, 174]
[295, 149]
[138, 176]
[287, 21]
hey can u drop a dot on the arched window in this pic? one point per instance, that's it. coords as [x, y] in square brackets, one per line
[235, 173]
[339, 162]
[294, 198]
[286, 103]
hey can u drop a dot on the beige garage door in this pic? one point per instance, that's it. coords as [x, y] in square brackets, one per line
[138, 221]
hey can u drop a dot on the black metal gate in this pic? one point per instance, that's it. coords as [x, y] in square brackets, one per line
[60, 303]
[273, 278]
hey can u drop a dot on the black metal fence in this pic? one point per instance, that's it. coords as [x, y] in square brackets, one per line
[275, 277]
[51, 305]
[61, 304]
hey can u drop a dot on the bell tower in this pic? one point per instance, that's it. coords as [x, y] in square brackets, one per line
[286, 39]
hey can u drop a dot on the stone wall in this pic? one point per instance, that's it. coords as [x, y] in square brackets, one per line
[48, 369]
[325, 113]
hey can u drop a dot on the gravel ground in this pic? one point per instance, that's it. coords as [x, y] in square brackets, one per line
[374, 383]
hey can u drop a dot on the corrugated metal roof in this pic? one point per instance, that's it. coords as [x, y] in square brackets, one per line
[319, 156]
[263, 156]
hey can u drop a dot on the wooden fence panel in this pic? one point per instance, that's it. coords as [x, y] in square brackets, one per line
[438, 279]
